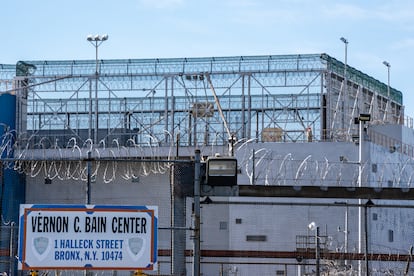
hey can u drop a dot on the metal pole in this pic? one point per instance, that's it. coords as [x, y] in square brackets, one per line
[88, 182]
[196, 253]
[345, 95]
[366, 240]
[11, 264]
[253, 167]
[88, 191]
[177, 146]
[345, 100]
[360, 148]
[96, 57]
[95, 139]
[388, 90]
[317, 249]
[346, 232]
[95, 41]
[90, 110]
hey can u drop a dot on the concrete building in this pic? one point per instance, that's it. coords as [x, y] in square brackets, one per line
[290, 122]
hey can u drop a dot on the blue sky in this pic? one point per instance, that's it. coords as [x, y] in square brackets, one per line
[376, 30]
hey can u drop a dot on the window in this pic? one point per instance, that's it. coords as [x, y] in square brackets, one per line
[374, 216]
[256, 238]
[390, 235]
[238, 220]
[223, 225]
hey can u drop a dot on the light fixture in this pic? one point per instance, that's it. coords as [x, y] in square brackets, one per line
[386, 63]
[344, 40]
[364, 117]
[221, 171]
[97, 37]
[312, 226]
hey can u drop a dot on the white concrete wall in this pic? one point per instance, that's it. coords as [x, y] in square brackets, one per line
[280, 221]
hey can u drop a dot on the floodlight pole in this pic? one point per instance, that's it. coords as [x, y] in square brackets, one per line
[388, 89]
[345, 110]
[314, 227]
[96, 41]
[317, 251]
[361, 121]
[197, 236]
[360, 147]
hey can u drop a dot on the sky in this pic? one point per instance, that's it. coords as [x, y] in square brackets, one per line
[377, 31]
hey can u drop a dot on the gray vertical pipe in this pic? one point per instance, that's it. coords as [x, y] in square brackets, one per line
[196, 253]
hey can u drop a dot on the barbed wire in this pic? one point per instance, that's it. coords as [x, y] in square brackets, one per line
[265, 166]
[41, 156]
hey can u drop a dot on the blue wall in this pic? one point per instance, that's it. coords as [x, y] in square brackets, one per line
[12, 183]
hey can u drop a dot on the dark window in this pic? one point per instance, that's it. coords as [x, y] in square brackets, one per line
[223, 225]
[390, 235]
[257, 238]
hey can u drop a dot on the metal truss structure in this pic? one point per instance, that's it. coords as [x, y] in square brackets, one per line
[7, 74]
[69, 114]
[196, 101]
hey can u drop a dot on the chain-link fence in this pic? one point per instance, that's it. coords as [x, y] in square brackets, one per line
[251, 238]
[243, 235]
[8, 248]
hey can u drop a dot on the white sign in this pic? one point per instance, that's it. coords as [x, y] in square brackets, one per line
[88, 237]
